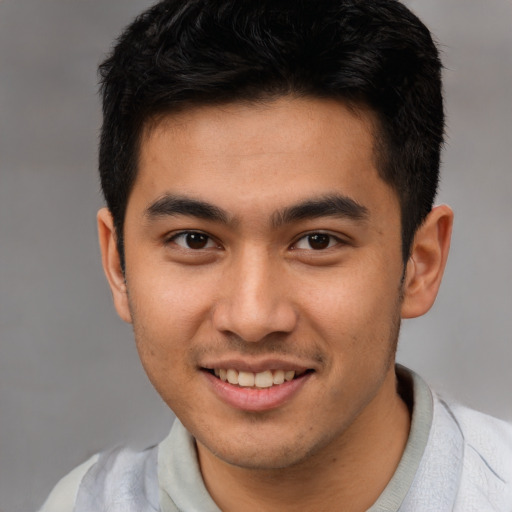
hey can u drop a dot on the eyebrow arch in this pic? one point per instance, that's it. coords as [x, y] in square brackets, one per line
[326, 206]
[172, 205]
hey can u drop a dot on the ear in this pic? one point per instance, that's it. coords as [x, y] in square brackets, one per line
[112, 263]
[427, 261]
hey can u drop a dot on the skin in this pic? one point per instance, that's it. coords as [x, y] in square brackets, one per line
[254, 290]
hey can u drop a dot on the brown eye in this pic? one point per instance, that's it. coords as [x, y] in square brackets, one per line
[194, 240]
[319, 241]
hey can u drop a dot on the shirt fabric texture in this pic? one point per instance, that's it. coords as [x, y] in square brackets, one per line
[455, 460]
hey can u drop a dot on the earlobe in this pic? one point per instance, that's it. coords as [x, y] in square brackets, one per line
[112, 263]
[427, 262]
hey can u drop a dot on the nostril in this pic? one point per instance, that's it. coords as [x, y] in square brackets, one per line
[255, 327]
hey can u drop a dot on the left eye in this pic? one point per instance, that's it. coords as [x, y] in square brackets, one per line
[193, 240]
[316, 242]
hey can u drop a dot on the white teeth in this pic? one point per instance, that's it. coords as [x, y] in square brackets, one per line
[278, 377]
[289, 375]
[232, 376]
[264, 379]
[246, 379]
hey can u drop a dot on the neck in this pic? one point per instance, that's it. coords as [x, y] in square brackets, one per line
[353, 470]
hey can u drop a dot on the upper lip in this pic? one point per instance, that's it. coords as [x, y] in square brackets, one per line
[256, 366]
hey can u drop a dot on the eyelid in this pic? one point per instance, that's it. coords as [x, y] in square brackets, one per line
[171, 238]
[337, 238]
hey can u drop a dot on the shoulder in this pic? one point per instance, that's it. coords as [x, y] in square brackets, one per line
[487, 460]
[487, 437]
[63, 496]
[119, 479]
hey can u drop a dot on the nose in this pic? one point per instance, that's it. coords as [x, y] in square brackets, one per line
[254, 300]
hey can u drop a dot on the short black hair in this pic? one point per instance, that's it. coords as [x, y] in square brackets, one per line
[376, 54]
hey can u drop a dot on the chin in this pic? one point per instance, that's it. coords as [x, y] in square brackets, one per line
[263, 452]
[263, 460]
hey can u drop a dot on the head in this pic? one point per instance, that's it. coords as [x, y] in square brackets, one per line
[269, 169]
[368, 55]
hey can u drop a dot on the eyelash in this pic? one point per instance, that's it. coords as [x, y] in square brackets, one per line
[321, 238]
[318, 237]
[191, 233]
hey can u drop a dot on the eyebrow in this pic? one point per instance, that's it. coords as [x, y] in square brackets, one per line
[327, 206]
[172, 205]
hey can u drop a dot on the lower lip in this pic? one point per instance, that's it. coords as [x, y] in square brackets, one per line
[253, 399]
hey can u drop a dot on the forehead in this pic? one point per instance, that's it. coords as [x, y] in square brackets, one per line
[294, 124]
[240, 153]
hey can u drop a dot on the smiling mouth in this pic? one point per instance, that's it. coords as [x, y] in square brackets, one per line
[260, 380]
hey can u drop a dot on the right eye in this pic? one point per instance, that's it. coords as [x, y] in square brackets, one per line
[316, 242]
[193, 240]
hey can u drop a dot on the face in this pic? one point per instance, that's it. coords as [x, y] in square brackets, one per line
[263, 248]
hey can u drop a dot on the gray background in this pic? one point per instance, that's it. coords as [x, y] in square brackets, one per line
[70, 381]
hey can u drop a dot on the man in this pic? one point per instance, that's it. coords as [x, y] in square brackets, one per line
[270, 170]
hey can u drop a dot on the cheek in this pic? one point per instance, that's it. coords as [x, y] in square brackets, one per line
[168, 314]
[352, 300]
[170, 300]
[162, 334]
[357, 316]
